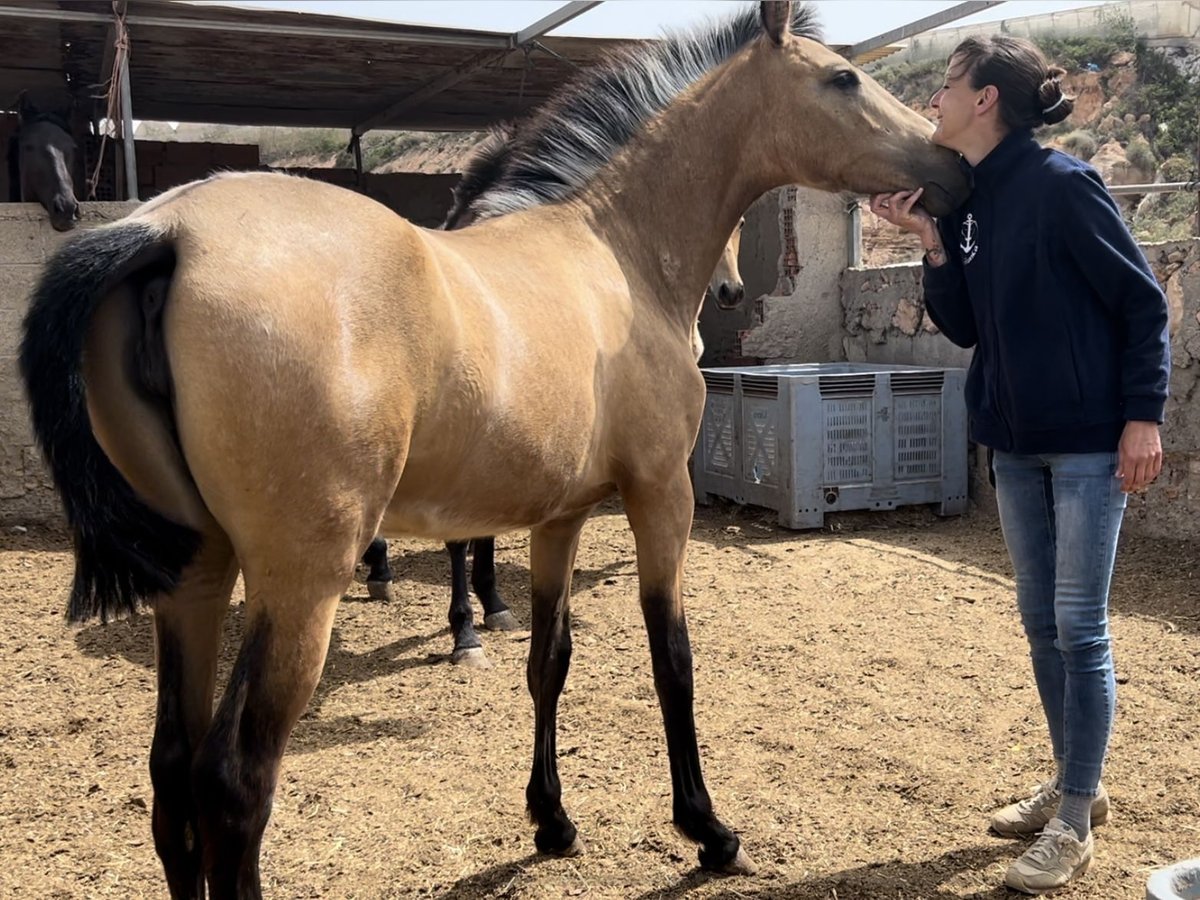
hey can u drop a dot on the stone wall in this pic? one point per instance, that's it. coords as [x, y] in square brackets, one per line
[884, 320]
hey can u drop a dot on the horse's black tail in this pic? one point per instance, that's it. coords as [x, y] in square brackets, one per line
[125, 552]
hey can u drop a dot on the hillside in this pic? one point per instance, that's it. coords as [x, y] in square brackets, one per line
[1136, 119]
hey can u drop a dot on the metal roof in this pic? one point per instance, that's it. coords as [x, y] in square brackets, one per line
[249, 67]
[237, 66]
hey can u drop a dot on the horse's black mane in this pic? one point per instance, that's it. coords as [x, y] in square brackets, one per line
[582, 127]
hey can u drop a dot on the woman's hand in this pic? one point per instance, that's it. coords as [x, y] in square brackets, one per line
[1139, 456]
[901, 210]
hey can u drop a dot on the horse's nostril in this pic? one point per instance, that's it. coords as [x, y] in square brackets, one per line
[731, 294]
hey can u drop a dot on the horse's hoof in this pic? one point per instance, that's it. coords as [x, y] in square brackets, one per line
[501, 621]
[575, 848]
[471, 658]
[381, 590]
[739, 865]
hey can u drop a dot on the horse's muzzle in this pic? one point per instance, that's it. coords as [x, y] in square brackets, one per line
[729, 295]
[64, 214]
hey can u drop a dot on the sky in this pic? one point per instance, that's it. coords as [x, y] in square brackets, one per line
[843, 21]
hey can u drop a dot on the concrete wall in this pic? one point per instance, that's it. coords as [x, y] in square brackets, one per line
[800, 318]
[759, 262]
[26, 240]
[884, 320]
[162, 165]
[423, 199]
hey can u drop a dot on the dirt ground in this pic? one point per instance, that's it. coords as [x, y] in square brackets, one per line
[863, 701]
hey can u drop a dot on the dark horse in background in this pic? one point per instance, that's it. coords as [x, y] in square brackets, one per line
[486, 166]
[41, 159]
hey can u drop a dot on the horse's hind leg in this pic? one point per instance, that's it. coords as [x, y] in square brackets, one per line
[552, 550]
[660, 514]
[379, 579]
[187, 629]
[468, 649]
[290, 605]
[496, 614]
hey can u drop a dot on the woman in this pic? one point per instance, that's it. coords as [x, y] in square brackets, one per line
[1039, 274]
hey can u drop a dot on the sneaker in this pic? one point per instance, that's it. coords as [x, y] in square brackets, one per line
[1029, 816]
[1056, 858]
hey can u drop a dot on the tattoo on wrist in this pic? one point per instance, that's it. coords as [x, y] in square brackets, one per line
[936, 255]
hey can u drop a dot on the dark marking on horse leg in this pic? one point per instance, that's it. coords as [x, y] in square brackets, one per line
[233, 774]
[546, 672]
[552, 558]
[671, 655]
[496, 614]
[173, 819]
[468, 649]
[379, 578]
[187, 637]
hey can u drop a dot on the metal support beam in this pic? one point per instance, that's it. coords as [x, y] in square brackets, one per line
[386, 33]
[127, 142]
[560, 16]
[937, 20]
[854, 258]
[516, 41]
[1167, 187]
[429, 89]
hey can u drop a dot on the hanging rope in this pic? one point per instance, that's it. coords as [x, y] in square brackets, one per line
[112, 90]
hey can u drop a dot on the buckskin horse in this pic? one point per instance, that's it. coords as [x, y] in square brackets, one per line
[725, 288]
[216, 364]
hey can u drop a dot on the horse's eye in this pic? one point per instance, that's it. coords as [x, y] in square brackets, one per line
[741, 224]
[846, 80]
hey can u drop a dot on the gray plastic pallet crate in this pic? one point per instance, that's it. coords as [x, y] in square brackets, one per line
[815, 438]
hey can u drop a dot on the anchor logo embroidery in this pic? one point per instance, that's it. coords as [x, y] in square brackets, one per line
[970, 238]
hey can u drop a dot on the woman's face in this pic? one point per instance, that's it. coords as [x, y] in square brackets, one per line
[955, 102]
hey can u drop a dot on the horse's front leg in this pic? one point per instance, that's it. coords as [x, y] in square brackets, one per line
[660, 513]
[552, 550]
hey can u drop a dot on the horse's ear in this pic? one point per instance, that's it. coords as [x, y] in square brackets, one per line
[776, 19]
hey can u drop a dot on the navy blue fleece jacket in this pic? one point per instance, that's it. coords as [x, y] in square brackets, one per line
[1044, 280]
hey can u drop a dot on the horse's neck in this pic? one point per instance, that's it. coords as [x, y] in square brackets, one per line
[669, 201]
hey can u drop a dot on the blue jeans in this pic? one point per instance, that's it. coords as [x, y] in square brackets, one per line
[1061, 513]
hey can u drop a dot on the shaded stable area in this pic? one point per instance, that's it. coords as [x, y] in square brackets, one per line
[246, 67]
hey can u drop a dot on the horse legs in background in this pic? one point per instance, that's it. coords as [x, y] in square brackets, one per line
[468, 649]
[379, 579]
[496, 614]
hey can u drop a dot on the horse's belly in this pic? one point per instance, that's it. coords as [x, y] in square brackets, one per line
[491, 489]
